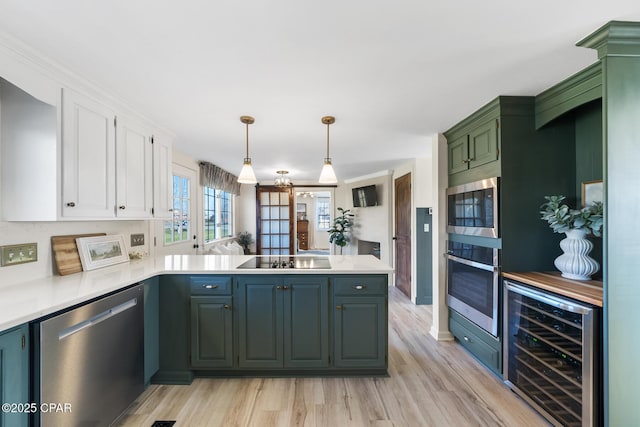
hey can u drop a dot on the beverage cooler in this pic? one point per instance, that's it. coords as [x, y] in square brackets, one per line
[551, 354]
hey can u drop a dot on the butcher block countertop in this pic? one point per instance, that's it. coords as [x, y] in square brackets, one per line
[27, 301]
[589, 291]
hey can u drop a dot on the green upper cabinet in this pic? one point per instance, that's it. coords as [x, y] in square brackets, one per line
[283, 322]
[14, 374]
[458, 154]
[473, 149]
[483, 144]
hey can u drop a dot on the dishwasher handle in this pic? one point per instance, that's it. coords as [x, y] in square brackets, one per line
[98, 318]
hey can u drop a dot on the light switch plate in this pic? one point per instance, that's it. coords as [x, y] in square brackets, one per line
[137, 239]
[19, 254]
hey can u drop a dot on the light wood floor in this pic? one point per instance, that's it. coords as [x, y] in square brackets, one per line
[430, 383]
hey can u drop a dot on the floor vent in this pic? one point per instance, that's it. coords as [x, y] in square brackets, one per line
[163, 424]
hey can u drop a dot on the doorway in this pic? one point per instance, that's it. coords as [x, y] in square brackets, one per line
[179, 235]
[313, 220]
[402, 237]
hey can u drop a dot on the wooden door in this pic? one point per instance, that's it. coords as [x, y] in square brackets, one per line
[403, 233]
[274, 207]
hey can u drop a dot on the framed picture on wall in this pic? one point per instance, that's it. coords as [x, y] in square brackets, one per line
[591, 192]
[101, 251]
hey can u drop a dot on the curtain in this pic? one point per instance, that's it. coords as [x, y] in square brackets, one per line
[218, 178]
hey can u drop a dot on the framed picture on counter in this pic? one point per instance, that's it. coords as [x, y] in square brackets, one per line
[591, 192]
[101, 251]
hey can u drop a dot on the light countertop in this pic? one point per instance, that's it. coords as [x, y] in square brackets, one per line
[27, 301]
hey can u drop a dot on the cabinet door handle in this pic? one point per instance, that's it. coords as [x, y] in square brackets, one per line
[227, 307]
[339, 307]
[466, 160]
[278, 287]
[71, 204]
[467, 339]
[285, 288]
[210, 286]
[170, 210]
[359, 287]
[123, 207]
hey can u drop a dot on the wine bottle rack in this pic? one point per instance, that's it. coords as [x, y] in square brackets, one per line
[549, 354]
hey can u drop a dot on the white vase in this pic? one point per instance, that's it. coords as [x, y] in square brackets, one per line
[575, 263]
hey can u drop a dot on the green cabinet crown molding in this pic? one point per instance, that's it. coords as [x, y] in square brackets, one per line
[500, 106]
[580, 88]
[616, 38]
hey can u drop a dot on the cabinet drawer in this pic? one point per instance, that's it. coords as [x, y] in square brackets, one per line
[210, 285]
[360, 285]
[469, 340]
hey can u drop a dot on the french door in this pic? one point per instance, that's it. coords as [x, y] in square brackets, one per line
[274, 209]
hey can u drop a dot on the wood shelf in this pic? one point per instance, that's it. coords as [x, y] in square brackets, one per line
[589, 291]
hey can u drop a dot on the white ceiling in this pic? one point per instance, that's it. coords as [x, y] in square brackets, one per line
[393, 73]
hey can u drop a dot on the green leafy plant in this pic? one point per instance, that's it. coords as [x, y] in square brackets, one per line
[341, 225]
[562, 218]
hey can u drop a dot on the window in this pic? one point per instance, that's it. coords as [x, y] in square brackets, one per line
[322, 213]
[218, 214]
[177, 230]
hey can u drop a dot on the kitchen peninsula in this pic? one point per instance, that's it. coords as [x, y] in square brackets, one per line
[205, 315]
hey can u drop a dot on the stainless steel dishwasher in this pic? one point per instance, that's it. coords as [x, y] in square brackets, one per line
[91, 361]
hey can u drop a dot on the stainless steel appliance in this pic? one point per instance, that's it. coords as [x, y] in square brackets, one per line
[275, 261]
[472, 283]
[473, 208]
[91, 361]
[550, 356]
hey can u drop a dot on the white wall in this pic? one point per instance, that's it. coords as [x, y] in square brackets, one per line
[371, 223]
[440, 325]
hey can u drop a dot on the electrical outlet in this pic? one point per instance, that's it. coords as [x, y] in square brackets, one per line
[19, 254]
[137, 239]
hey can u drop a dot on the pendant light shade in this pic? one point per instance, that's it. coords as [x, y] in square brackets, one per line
[246, 174]
[327, 175]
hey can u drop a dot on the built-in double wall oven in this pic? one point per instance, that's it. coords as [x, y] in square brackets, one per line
[472, 283]
[473, 268]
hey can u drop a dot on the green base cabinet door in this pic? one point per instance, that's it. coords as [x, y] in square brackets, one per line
[360, 332]
[14, 375]
[306, 322]
[260, 322]
[283, 322]
[211, 332]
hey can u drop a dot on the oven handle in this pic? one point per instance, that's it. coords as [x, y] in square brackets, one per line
[475, 264]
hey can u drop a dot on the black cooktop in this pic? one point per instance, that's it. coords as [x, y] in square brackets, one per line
[286, 262]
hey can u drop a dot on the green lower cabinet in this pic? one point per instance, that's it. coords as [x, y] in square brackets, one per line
[360, 324]
[306, 322]
[485, 347]
[283, 322]
[211, 332]
[14, 375]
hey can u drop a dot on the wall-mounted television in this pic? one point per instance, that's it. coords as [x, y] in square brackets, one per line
[365, 196]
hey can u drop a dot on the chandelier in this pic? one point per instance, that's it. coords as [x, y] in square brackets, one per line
[282, 180]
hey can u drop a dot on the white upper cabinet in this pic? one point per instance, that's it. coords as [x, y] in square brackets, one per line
[134, 170]
[162, 177]
[88, 158]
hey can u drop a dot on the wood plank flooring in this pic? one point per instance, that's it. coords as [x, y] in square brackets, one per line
[430, 383]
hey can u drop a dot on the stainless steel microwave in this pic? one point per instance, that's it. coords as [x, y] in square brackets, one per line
[473, 208]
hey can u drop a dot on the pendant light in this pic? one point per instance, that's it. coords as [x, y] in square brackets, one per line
[327, 175]
[246, 174]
